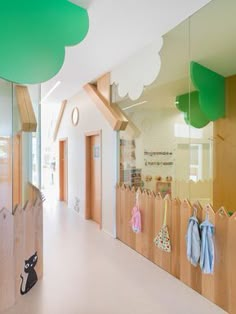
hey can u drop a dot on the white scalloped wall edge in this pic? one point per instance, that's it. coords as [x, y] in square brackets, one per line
[138, 71]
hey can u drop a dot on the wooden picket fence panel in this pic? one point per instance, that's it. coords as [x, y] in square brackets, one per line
[219, 287]
[21, 235]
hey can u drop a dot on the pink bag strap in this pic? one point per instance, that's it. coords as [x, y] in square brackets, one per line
[137, 199]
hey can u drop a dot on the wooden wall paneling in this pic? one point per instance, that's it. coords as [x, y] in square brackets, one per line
[127, 216]
[18, 246]
[189, 274]
[139, 236]
[123, 223]
[196, 273]
[29, 232]
[185, 266]
[231, 264]
[130, 235]
[158, 205]
[221, 254]
[38, 223]
[118, 213]
[147, 224]
[175, 237]
[219, 287]
[208, 281]
[7, 266]
[166, 257]
[225, 152]
[32, 192]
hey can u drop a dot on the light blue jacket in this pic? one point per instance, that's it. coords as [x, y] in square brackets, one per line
[207, 258]
[193, 241]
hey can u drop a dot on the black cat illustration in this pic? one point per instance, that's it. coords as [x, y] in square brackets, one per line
[31, 278]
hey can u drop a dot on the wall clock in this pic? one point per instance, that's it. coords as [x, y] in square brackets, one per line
[75, 116]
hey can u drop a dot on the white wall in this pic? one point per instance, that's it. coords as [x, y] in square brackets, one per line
[90, 119]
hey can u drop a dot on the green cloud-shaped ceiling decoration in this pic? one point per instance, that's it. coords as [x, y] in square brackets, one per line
[192, 113]
[34, 34]
[208, 102]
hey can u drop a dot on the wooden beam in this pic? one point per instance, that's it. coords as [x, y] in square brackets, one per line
[131, 128]
[104, 88]
[59, 118]
[27, 116]
[123, 118]
[104, 107]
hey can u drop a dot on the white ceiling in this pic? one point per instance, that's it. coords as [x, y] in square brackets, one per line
[117, 30]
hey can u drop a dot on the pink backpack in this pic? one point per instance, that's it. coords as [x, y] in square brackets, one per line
[136, 217]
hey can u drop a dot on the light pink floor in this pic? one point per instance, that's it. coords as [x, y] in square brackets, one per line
[88, 272]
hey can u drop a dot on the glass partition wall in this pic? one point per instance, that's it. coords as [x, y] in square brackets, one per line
[19, 150]
[182, 120]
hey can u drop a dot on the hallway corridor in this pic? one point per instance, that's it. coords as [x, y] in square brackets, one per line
[88, 272]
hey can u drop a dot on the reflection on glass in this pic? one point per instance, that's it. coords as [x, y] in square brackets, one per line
[5, 144]
[19, 151]
[168, 156]
[5, 172]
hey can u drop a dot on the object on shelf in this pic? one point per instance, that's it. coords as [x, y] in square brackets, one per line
[163, 187]
[148, 178]
[131, 176]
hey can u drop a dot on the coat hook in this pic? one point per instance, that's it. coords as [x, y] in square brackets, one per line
[220, 137]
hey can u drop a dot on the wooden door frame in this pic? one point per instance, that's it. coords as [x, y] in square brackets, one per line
[87, 136]
[65, 139]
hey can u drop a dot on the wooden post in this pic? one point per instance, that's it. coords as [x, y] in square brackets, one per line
[221, 255]
[122, 212]
[147, 211]
[38, 235]
[158, 204]
[189, 274]
[175, 237]
[208, 281]
[231, 264]
[130, 235]
[18, 246]
[139, 236]
[118, 213]
[7, 271]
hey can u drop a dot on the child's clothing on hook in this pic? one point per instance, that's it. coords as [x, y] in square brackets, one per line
[207, 258]
[162, 240]
[136, 220]
[193, 241]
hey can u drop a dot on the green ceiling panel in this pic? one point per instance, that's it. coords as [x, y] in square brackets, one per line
[211, 87]
[207, 103]
[189, 104]
[34, 34]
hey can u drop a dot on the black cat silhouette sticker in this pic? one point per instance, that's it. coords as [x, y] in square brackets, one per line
[31, 277]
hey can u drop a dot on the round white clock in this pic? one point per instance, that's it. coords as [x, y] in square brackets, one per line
[75, 116]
